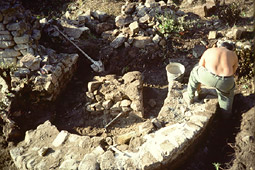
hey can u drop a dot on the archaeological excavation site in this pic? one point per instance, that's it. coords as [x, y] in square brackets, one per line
[99, 85]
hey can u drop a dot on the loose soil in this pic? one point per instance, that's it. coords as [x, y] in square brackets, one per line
[221, 141]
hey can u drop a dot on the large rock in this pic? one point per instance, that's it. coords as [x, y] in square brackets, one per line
[9, 53]
[16, 26]
[31, 62]
[141, 41]
[123, 20]
[118, 41]
[22, 40]
[99, 15]
[73, 31]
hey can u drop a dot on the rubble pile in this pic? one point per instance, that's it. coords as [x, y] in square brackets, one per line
[111, 95]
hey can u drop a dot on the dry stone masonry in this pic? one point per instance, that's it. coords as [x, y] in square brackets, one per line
[110, 95]
[177, 130]
[26, 63]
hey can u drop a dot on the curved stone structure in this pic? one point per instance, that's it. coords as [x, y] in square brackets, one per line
[46, 147]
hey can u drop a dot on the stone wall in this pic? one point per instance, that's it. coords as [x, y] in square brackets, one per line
[29, 71]
[46, 147]
[27, 61]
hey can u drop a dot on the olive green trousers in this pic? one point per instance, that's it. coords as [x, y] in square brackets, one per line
[224, 86]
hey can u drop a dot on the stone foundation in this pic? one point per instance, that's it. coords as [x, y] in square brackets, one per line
[160, 148]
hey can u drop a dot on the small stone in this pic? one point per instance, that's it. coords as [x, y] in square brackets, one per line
[43, 151]
[125, 103]
[156, 39]
[212, 35]
[5, 37]
[156, 123]
[134, 27]
[162, 43]
[60, 139]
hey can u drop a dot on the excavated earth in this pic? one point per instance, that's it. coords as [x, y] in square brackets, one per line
[230, 142]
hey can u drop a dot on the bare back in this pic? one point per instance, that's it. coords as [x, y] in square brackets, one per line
[220, 61]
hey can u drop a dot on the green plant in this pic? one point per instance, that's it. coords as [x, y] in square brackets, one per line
[168, 23]
[216, 165]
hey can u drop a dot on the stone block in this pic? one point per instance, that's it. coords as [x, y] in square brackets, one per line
[212, 35]
[31, 62]
[125, 103]
[118, 41]
[9, 62]
[107, 104]
[69, 164]
[123, 20]
[147, 161]
[20, 47]
[107, 160]
[145, 19]
[100, 15]
[16, 26]
[5, 33]
[5, 37]
[156, 39]
[124, 138]
[134, 27]
[141, 41]
[60, 139]
[89, 162]
[22, 40]
[94, 85]
[167, 148]
[2, 27]
[6, 44]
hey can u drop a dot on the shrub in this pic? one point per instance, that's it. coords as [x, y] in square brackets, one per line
[169, 23]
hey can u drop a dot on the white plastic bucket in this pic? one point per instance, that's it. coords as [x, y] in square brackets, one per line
[175, 72]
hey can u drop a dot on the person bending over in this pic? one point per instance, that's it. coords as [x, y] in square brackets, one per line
[216, 68]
